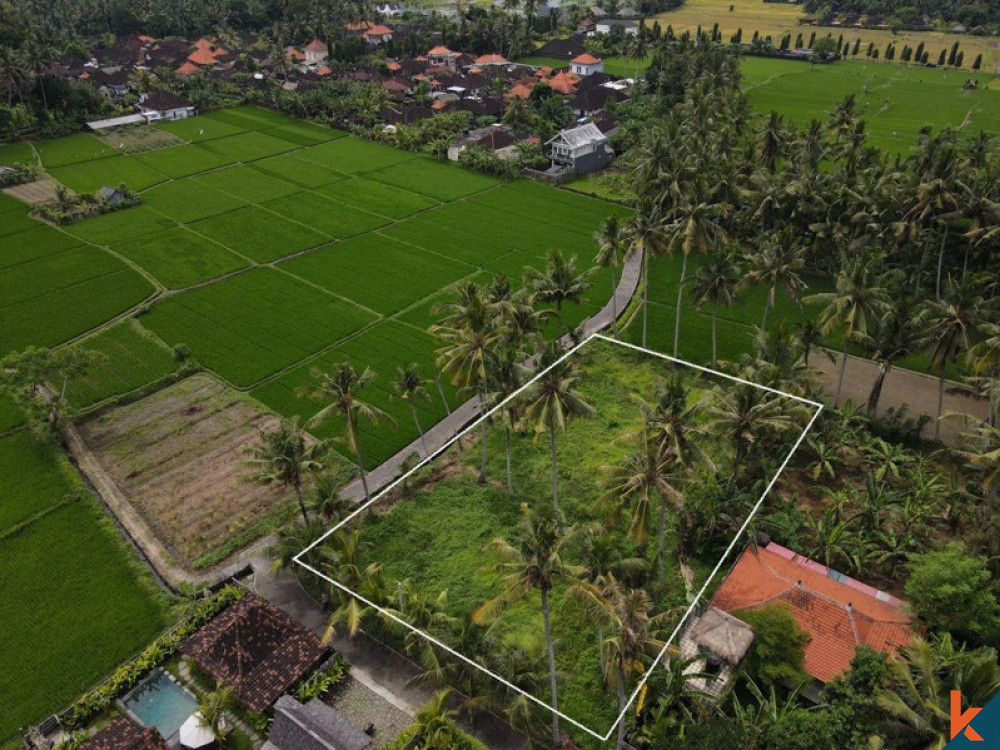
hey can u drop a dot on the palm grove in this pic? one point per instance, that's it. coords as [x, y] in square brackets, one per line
[743, 204]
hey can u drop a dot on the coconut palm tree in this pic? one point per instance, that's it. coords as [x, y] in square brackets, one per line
[284, 456]
[292, 538]
[433, 725]
[983, 453]
[559, 282]
[896, 333]
[695, 226]
[985, 361]
[645, 483]
[534, 561]
[776, 264]
[644, 234]
[670, 420]
[951, 324]
[341, 391]
[214, 706]
[857, 299]
[505, 377]
[610, 241]
[717, 283]
[409, 386]
[551, 401]
[745, 415]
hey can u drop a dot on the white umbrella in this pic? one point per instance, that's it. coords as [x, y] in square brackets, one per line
[194, 734]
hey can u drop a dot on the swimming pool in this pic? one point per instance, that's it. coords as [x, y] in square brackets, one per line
[162, 703]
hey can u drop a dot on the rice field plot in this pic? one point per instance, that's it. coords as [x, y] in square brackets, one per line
[252, 118]
[593, 206]
[383, 348]
[251, 146]
[179, 258]
[259, 234]
[326, 215]
[129, 358]
[198, 129]
[352, 155]
[71, 150]
[184, 161]
[91, 176]
[10, 205]
[440, 180]
[19, 152]
[298, 171]
[385, 200]
[75, 604]
[42, 479]
[66, 305]
[427, 233]
[248, 184]
[16, 221]
[38, 241]
[305, 133]
[377, 272]
[186, 200]
[178, 457]
[543, 210]
[120, 226]
[895, 100]
[253, 324]
[11, 416]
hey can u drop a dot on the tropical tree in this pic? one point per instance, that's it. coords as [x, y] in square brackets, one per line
[552, 400]
[611, 244]
[559, 282]
[777, 263]
[37, 378]
[747, 415]
[409, 386]
[717, 283]
[856, 300]
[285, 456]
[214, 706]
[896, 333]
[644, 235]
[341, 391]
[951, 325]
[534, 561]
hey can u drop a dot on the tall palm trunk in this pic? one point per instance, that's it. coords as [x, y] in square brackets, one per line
[920, 270]
[767, 308]
[661, 552]
[600, 646]
[559, 322]
[715, 335]
[645, 294]
[876, 392]
[550, 646]
[940, 408]
[302, 503]
[447, 408]
[621, 708]
[680, 297]
[482, 417]
[420, 430]
[510, 476]
[614, 304]
[840, 377]
[944, 242]
[555, 472]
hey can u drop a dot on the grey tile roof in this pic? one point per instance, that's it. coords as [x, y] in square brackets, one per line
[313, 726]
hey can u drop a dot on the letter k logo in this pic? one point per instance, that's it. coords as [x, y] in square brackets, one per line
[960, 721]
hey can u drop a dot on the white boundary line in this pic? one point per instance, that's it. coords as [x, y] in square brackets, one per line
[475, 424]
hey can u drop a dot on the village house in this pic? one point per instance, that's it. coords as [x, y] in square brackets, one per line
[316, 52]
[312, 726]
[390, 10]
[839, 612]
[581, 149]
[586, 64]
[162, 105]
[377, 35]
[606, 26]
[442, 57]
[122, 733]
[111, 85]
[495, 138]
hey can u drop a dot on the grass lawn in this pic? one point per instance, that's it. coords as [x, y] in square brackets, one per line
[130, 358]
[253, 324]
[259, 234]
[435, 538]
[91, 176]
[179, 258]
[72, 149]
[75, 601]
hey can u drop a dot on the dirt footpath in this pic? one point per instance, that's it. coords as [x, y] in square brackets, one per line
[917, 391]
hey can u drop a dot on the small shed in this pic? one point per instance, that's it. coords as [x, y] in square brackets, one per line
[716, 642]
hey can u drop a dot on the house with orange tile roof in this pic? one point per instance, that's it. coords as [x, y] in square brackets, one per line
[564, 83]
[442, 57]
[377, 35]
[294, 54]
[357, 26]
[839, 612]
[491, 60]
[316, 52]
[519, 91]
[188, 69]
[586, 64]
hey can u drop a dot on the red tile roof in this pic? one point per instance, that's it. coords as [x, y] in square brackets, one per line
[188, 69]
[256, 648]
[317, 46]
[291, 53]
[839, 612]
[564, 83]
[122, 733]
[586, 59]
[491, 60]
[520, 91]
[379, 30]
[358, 26]
[440, 51]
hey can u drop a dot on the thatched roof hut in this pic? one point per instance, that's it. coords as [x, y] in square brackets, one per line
[722, 634]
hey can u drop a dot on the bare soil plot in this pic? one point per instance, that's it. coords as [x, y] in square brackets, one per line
[177, 457]
[39, 191]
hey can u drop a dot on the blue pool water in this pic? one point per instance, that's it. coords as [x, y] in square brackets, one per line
[161, 703]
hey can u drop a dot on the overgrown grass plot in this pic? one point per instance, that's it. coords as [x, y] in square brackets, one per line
[259, 234]
[434, 532]
[255, 323]
[179, 258]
